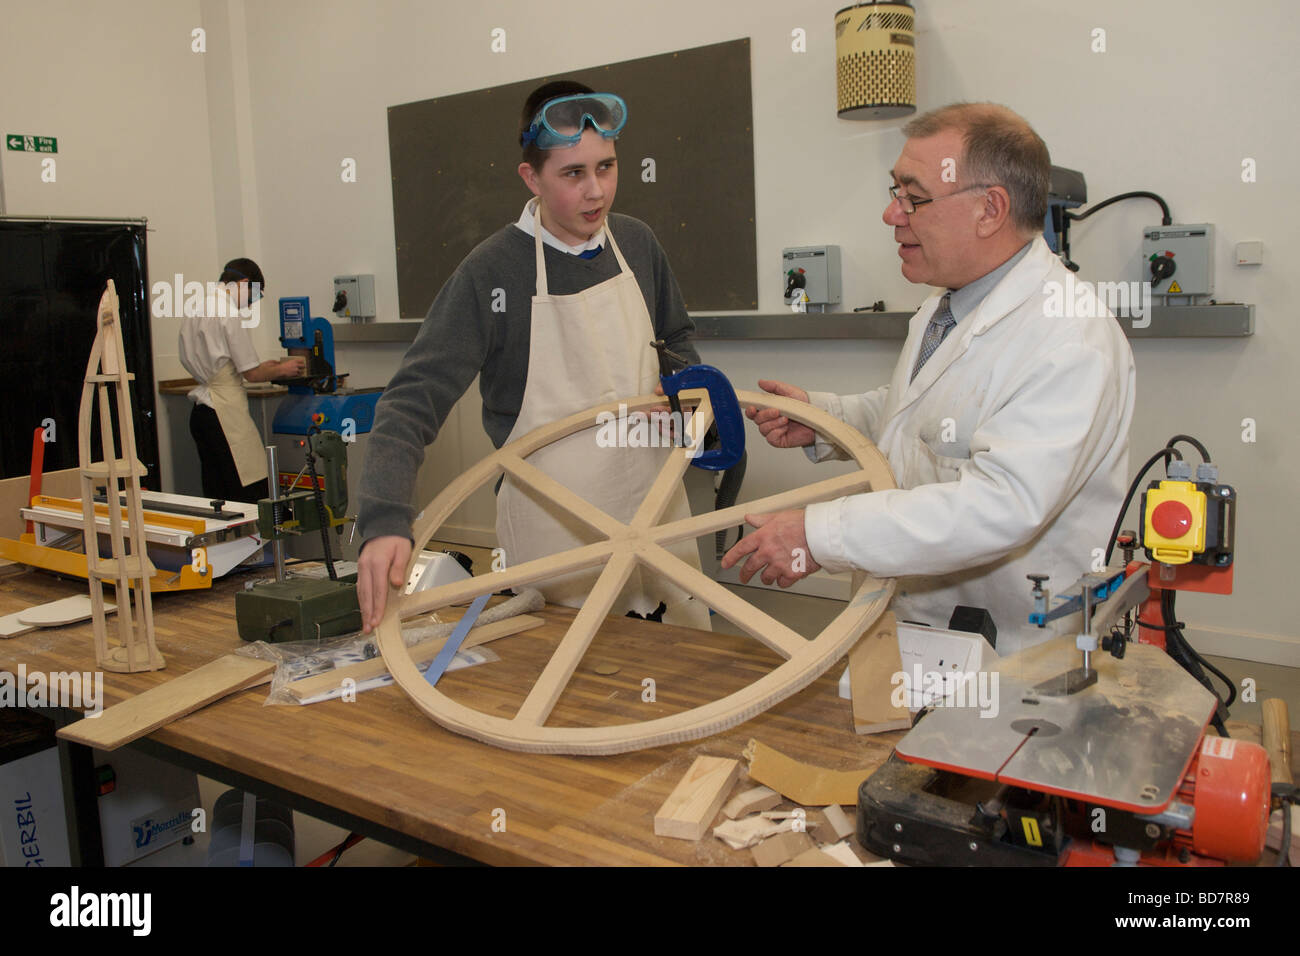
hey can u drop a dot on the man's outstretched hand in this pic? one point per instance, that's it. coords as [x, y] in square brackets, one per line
[779, 430]
[778, 548]
[382, 563]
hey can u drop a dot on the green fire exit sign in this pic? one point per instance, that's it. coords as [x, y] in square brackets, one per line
[32, 144]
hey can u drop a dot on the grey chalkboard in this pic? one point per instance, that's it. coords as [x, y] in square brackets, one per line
[454, 162]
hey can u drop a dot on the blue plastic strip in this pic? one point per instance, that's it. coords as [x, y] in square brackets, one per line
[439, 665]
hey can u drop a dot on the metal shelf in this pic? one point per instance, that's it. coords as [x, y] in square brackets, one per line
[1165, 322]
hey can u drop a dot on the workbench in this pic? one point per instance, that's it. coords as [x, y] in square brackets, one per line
[380, 767]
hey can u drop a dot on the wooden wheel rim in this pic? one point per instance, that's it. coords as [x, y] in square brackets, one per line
[640, 540]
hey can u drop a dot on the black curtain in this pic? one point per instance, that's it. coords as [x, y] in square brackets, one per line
[52, 274]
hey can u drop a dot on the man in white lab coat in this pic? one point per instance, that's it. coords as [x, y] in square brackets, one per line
[1007, 418]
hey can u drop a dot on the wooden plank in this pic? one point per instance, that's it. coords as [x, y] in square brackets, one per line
[801, 782]
[751, 801]
[695, 801]
[781, 848]
[422, 653]
[873, 662]
[146, 712]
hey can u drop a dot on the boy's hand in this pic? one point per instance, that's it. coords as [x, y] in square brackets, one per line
[295, 366]
[779, 430]
[382, 563]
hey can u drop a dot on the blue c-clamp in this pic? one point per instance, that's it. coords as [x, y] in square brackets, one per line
[726, 409]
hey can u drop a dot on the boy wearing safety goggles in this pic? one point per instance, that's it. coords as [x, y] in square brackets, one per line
[555, 313]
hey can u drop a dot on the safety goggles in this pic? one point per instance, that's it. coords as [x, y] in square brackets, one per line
[560, 122]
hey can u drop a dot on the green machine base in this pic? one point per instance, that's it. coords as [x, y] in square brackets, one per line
[300, 609]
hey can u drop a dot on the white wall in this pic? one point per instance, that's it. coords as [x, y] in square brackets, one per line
[120, 89]
[1183, 93]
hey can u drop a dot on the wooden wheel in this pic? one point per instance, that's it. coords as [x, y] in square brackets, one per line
[641, 540]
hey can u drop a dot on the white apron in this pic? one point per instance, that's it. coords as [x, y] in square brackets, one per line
[230, 403]
[584, 350]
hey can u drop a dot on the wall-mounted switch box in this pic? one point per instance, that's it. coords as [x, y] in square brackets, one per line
[1179, 259]
[813, 271]
[354, 297]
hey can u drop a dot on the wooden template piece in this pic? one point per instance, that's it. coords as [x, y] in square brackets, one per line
[781, 848]
[689, 810]
[128, 570]
[751, 801]
[643, 542]
[146, 712]
[58, 613]
[422, 653]
[873, 664]
[801, 782]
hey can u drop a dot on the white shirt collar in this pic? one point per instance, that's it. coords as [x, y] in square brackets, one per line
[528, 222]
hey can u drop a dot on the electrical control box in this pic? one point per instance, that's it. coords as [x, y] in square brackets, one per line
[1179, 259]
[811, 275]
[354, 297]
[1189, 522]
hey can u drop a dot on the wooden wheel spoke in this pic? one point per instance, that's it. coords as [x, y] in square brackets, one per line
[670, 475]
[577, 506]
[731, 517]
[559, 669]
[757, 624]
[518, 576]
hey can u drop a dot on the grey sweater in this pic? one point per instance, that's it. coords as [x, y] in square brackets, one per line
[462, 336]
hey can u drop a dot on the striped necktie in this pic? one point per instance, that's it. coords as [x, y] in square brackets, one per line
[941, 323]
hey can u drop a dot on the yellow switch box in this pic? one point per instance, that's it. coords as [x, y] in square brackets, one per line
[1173, 524]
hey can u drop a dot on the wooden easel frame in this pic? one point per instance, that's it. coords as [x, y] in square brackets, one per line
[105, 371]
[641, 540]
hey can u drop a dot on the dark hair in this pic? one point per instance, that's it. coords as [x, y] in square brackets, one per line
[536, 100]
[237, 269]
[1000, 149]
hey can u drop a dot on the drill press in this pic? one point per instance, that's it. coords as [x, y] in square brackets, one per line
[301, 609]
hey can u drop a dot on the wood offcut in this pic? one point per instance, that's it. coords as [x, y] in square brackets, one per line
[697, 798]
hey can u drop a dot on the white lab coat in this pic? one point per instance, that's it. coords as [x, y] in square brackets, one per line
[1010, 450]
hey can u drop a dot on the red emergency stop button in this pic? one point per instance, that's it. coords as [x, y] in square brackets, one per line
[1171, 519]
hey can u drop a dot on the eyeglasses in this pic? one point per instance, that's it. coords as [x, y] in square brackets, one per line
[909, 204]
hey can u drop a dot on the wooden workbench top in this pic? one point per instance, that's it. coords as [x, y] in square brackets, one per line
[382, 760]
